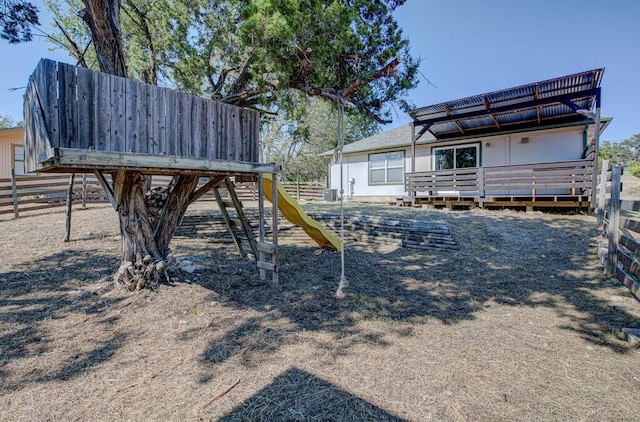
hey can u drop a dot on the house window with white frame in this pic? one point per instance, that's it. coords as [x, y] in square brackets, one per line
[456, 157]
[386, 168]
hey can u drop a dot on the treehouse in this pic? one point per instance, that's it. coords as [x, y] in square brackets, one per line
[79, 121]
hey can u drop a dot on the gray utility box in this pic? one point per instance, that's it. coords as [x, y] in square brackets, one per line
[329, 195]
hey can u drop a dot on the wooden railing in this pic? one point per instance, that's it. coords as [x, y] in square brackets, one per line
[29, 193]
[430, 182]
[75, 108]
[558, 178]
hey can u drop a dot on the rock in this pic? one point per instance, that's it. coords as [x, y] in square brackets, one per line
[187, 266]
[632, 335]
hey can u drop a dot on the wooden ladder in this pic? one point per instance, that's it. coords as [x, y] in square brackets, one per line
[231, 224]
[266, 249]
[265, 253]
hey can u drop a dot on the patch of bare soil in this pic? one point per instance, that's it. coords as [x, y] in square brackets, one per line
[518, 324]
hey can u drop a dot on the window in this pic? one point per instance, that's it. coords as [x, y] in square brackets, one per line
[18, 160]
[386, 168]
[455, 157]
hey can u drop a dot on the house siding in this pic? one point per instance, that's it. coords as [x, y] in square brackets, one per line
[8, 138]
[356, 166]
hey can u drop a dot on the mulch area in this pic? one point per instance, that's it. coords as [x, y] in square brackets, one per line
[519, 323]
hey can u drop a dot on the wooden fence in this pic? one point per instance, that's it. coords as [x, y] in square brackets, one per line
[620, 219]
[29, 193]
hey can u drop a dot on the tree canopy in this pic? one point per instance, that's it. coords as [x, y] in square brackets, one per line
[7, 122]
[17, 17]
[296, 141]
[253, 53]
[623, 152]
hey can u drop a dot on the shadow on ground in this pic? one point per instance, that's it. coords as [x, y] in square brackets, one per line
[502, 260]
[296, 394]
[53, 287]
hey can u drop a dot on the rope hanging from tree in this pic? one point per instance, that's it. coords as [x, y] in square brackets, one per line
[343, 279]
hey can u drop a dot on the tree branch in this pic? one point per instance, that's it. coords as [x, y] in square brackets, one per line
[336, 95]
[142, 23]
[102, 17]
[244, 78]
[386, 71]
[72, 46]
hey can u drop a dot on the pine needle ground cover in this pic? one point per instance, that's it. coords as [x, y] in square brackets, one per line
[518, 323]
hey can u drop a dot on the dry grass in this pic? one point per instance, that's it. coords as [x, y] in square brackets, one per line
[519, 324]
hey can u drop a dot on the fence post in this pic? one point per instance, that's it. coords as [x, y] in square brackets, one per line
[14, 192]
[480, 182]
[274, 226]
[298, 189]
[602, 192]
[67, 224]
[84, 190]
[614, 221]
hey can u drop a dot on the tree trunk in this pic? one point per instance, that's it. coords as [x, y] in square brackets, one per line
[148, 220]
[103, 19]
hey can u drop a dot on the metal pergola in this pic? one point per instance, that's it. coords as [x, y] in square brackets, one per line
[561, 100]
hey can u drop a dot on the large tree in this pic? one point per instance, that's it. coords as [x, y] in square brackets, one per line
[246, 53]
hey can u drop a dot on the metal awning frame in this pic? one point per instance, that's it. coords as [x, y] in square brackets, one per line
[481, 107]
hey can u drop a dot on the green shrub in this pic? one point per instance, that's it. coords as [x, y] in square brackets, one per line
[634, 168]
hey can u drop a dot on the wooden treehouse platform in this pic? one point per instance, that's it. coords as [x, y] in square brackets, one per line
[79, 121]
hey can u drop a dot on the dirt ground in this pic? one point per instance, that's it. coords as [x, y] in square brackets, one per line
[518, 324]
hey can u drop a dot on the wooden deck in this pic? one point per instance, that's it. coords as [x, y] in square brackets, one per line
[564, 184]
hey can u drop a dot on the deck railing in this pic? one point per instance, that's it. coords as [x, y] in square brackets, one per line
[568, 178]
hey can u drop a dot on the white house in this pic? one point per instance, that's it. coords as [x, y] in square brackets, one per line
[533, 145]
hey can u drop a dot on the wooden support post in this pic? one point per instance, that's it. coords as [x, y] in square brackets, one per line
[274, 227]
[107, 189]
[14, 193]
[596, 153]
[481, 182]
[84, 190]
[261, 253]
[412, 192]
[614, 221]
[67, 225]
[602, 191]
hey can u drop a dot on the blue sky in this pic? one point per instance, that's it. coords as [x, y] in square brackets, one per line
[471, 47]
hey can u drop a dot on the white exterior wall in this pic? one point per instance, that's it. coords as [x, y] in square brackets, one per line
[356, 166]
[544, 146]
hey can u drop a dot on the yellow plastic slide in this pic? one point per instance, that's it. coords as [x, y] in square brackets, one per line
[294, 213]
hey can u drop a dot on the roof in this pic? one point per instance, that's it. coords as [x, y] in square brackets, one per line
[554, 101]
[393, 138]
[12, 133]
